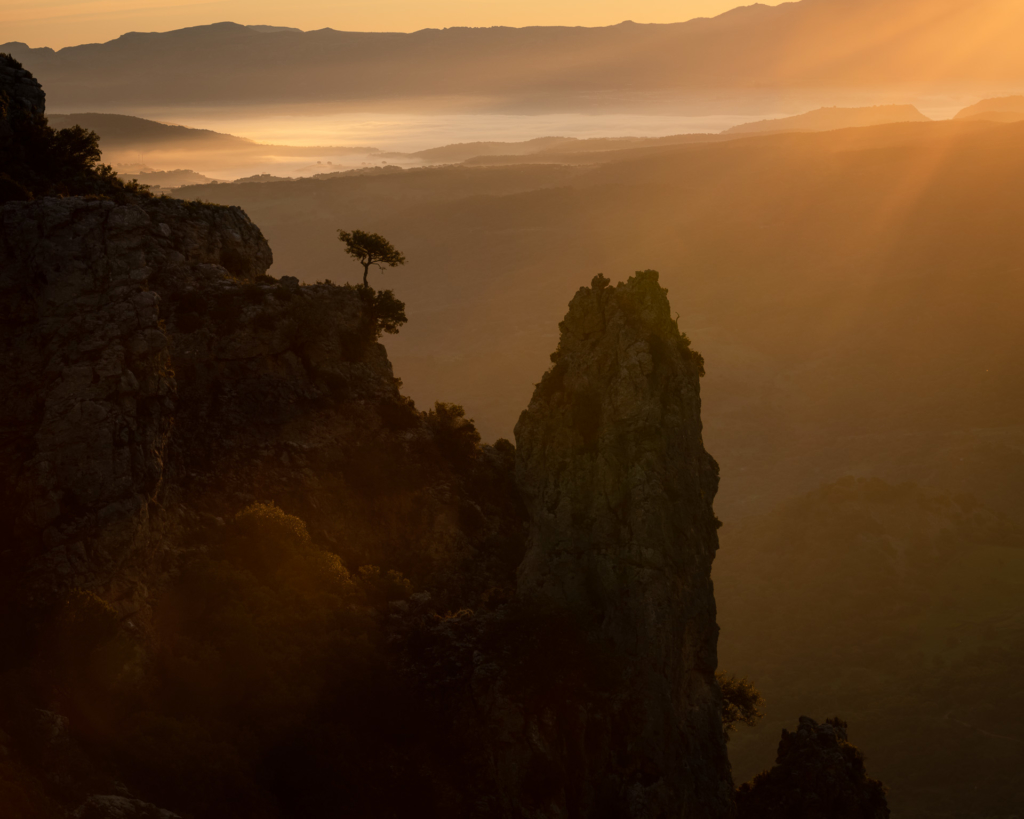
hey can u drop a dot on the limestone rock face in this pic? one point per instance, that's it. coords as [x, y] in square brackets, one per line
[619, 490]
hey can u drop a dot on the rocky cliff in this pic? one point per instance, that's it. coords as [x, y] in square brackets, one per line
[622, 534]
[157, 381]
[90, 394]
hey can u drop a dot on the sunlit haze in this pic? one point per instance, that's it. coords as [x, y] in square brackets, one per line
[60, 23]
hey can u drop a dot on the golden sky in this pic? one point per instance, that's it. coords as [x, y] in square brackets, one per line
[59, 23]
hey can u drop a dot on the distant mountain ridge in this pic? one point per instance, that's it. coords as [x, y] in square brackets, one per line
[831, 119]
[852, 44]
[999, 109]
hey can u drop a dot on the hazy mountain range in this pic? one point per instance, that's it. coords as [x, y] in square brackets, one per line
[852, 44]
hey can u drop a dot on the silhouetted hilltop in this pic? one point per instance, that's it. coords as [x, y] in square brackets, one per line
[121, 131]
[831, 119]
[853, 44]
[163, 180]
[120, 134]
[999, 109]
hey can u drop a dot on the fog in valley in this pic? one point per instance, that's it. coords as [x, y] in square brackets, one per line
[832, 194]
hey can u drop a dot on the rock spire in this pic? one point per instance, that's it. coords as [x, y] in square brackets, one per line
[619, 490]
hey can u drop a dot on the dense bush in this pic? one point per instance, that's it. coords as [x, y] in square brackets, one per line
[455, 434]
[386, 313]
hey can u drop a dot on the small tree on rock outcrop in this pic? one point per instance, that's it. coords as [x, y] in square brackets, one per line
[370, 249]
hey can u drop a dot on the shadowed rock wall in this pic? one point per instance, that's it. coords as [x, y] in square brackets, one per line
[89, 391]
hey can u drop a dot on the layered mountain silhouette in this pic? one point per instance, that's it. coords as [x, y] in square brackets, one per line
[852, 44]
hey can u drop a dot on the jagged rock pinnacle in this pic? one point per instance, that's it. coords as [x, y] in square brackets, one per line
[619, 489]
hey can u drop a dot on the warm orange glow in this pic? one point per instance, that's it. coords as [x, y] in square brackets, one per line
[59, 23]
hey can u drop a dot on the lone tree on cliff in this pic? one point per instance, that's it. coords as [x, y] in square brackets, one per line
[370, 249]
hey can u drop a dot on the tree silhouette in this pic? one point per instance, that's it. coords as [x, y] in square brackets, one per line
[741, 702]
[370, 249]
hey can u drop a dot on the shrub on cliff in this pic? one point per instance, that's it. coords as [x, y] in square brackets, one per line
[455, 434]
[386, 312]
[83, 623]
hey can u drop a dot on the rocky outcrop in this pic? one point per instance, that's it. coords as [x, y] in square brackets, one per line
[148, 365]
[157, 382]
[619, 491]
[818, 774]
[20, 93]
[22, 107]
